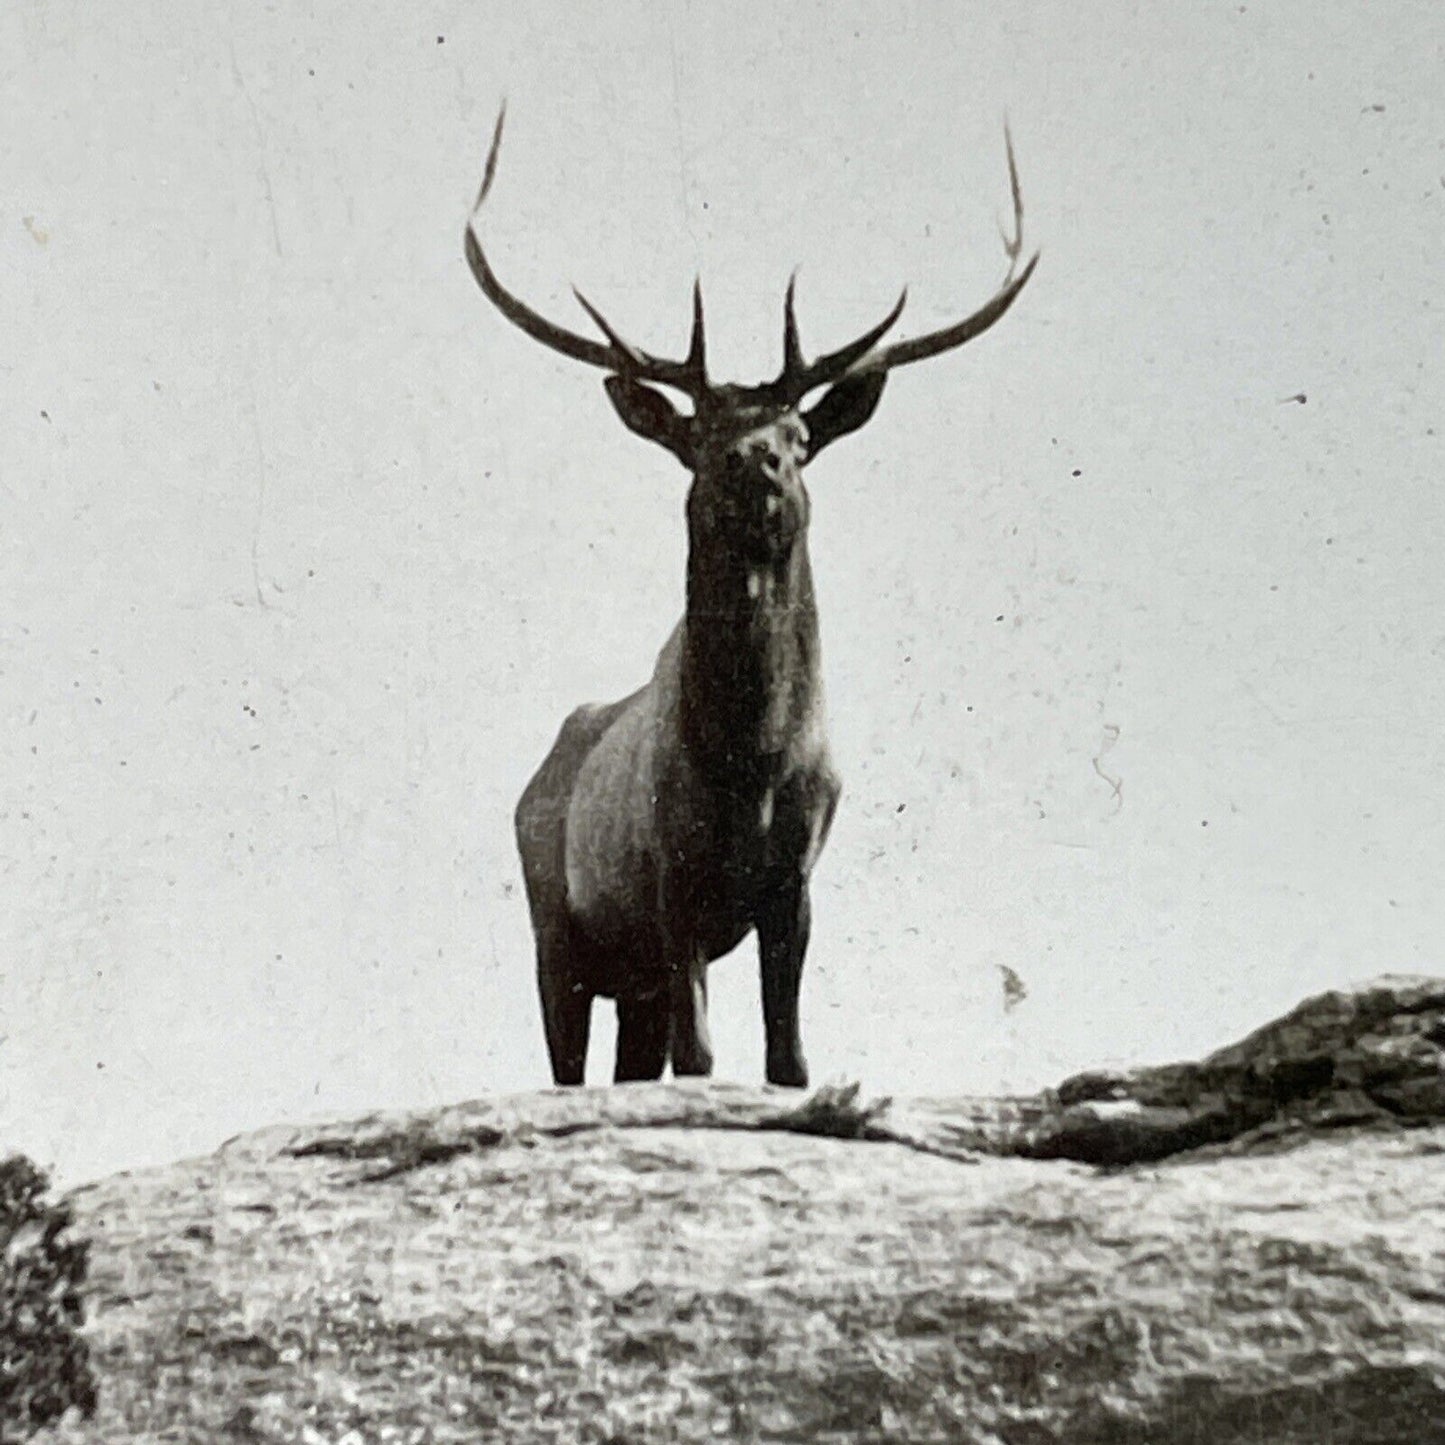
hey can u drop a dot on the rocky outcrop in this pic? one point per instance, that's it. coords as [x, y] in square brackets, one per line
[1247, 1248]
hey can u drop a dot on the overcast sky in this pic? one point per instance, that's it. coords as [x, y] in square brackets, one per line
[1132, 610]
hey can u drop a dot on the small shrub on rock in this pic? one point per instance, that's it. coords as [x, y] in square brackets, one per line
[44, 1361]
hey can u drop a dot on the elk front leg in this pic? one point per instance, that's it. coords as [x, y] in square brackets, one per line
[783, 924]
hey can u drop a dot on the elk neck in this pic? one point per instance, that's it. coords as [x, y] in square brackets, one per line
[750, 659]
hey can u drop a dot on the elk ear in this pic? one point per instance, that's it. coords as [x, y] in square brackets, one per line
[650, 414]
[844, 408]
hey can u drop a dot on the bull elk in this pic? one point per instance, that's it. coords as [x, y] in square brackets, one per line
[661, 829]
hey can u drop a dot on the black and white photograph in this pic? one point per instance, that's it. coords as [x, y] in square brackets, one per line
[722, 721]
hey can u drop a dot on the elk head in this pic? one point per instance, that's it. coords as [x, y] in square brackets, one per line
[746, 446]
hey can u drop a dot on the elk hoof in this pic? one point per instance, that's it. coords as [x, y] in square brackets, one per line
[790, 1072]
[695, 1062]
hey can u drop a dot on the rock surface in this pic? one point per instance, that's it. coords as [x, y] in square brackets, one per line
[1248, 1248]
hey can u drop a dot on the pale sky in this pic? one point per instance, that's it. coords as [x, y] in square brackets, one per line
[1136, 666]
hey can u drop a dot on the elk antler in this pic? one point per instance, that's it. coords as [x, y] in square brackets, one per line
[798, 377]
[921, 347]
[688, 375]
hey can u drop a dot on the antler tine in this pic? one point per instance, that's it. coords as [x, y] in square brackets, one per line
[798, 378]
[688, 375]
[1013, 246]
[490, 169]
[516, 311]
[793, 362]
[618, 356]
[934, 342]
[633, 357]
[835, 363]
[697, 347]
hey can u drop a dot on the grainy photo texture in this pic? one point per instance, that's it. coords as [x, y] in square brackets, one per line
[592, 854]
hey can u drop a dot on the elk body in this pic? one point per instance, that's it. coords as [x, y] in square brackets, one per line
[660, 830]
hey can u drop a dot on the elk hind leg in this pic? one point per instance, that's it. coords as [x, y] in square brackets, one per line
[691, 1042]
[541, 827]
[566, 1009]
[641, 1038]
